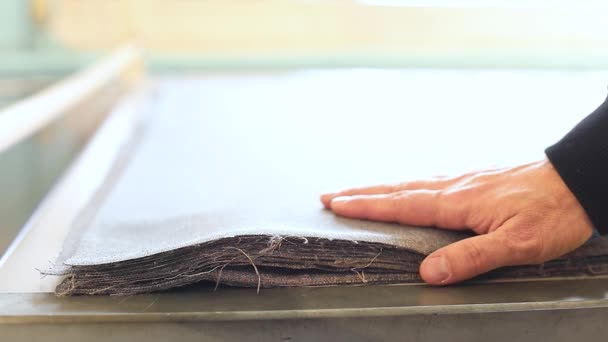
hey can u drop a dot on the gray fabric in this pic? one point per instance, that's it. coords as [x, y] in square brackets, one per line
[262, 261]
[209, 190]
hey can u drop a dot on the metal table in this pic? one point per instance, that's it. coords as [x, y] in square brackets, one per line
[557, 310]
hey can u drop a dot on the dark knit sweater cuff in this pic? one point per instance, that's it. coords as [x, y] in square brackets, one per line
[581, 159]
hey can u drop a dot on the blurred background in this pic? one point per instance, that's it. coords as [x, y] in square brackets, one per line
[56, 36]
[42, 41]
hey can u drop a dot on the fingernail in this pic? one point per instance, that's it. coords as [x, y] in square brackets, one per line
[436, 269]
[339, 200]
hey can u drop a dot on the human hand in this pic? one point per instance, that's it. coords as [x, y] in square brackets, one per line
[523, 215]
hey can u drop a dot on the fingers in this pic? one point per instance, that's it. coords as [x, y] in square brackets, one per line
[466, 259]
[415, 207]
[436, 183]
[429, 184]
[370, 190]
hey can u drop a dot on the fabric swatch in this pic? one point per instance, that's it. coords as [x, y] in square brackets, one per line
[210, 192]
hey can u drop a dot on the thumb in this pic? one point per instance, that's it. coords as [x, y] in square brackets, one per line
[466, 259]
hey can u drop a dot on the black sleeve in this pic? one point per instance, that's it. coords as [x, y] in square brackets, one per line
[581, 159]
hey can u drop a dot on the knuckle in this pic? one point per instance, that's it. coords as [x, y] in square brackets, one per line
[396, 187]
[459, 195]
[474, 257]
[397, 201]
[364, 205]
[441, 208]
[450, 208]
[475, 177]
[385, 208]
[525, 245]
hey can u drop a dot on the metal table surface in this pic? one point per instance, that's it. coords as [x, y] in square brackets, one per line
[557, 309]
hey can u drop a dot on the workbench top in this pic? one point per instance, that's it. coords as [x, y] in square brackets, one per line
[556, 309]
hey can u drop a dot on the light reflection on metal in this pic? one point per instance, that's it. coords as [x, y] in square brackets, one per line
[26, 117]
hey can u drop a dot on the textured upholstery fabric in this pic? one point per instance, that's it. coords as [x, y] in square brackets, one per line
[212, 192]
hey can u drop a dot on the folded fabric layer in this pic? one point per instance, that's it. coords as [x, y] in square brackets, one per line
[210, 192]
[264, 261]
